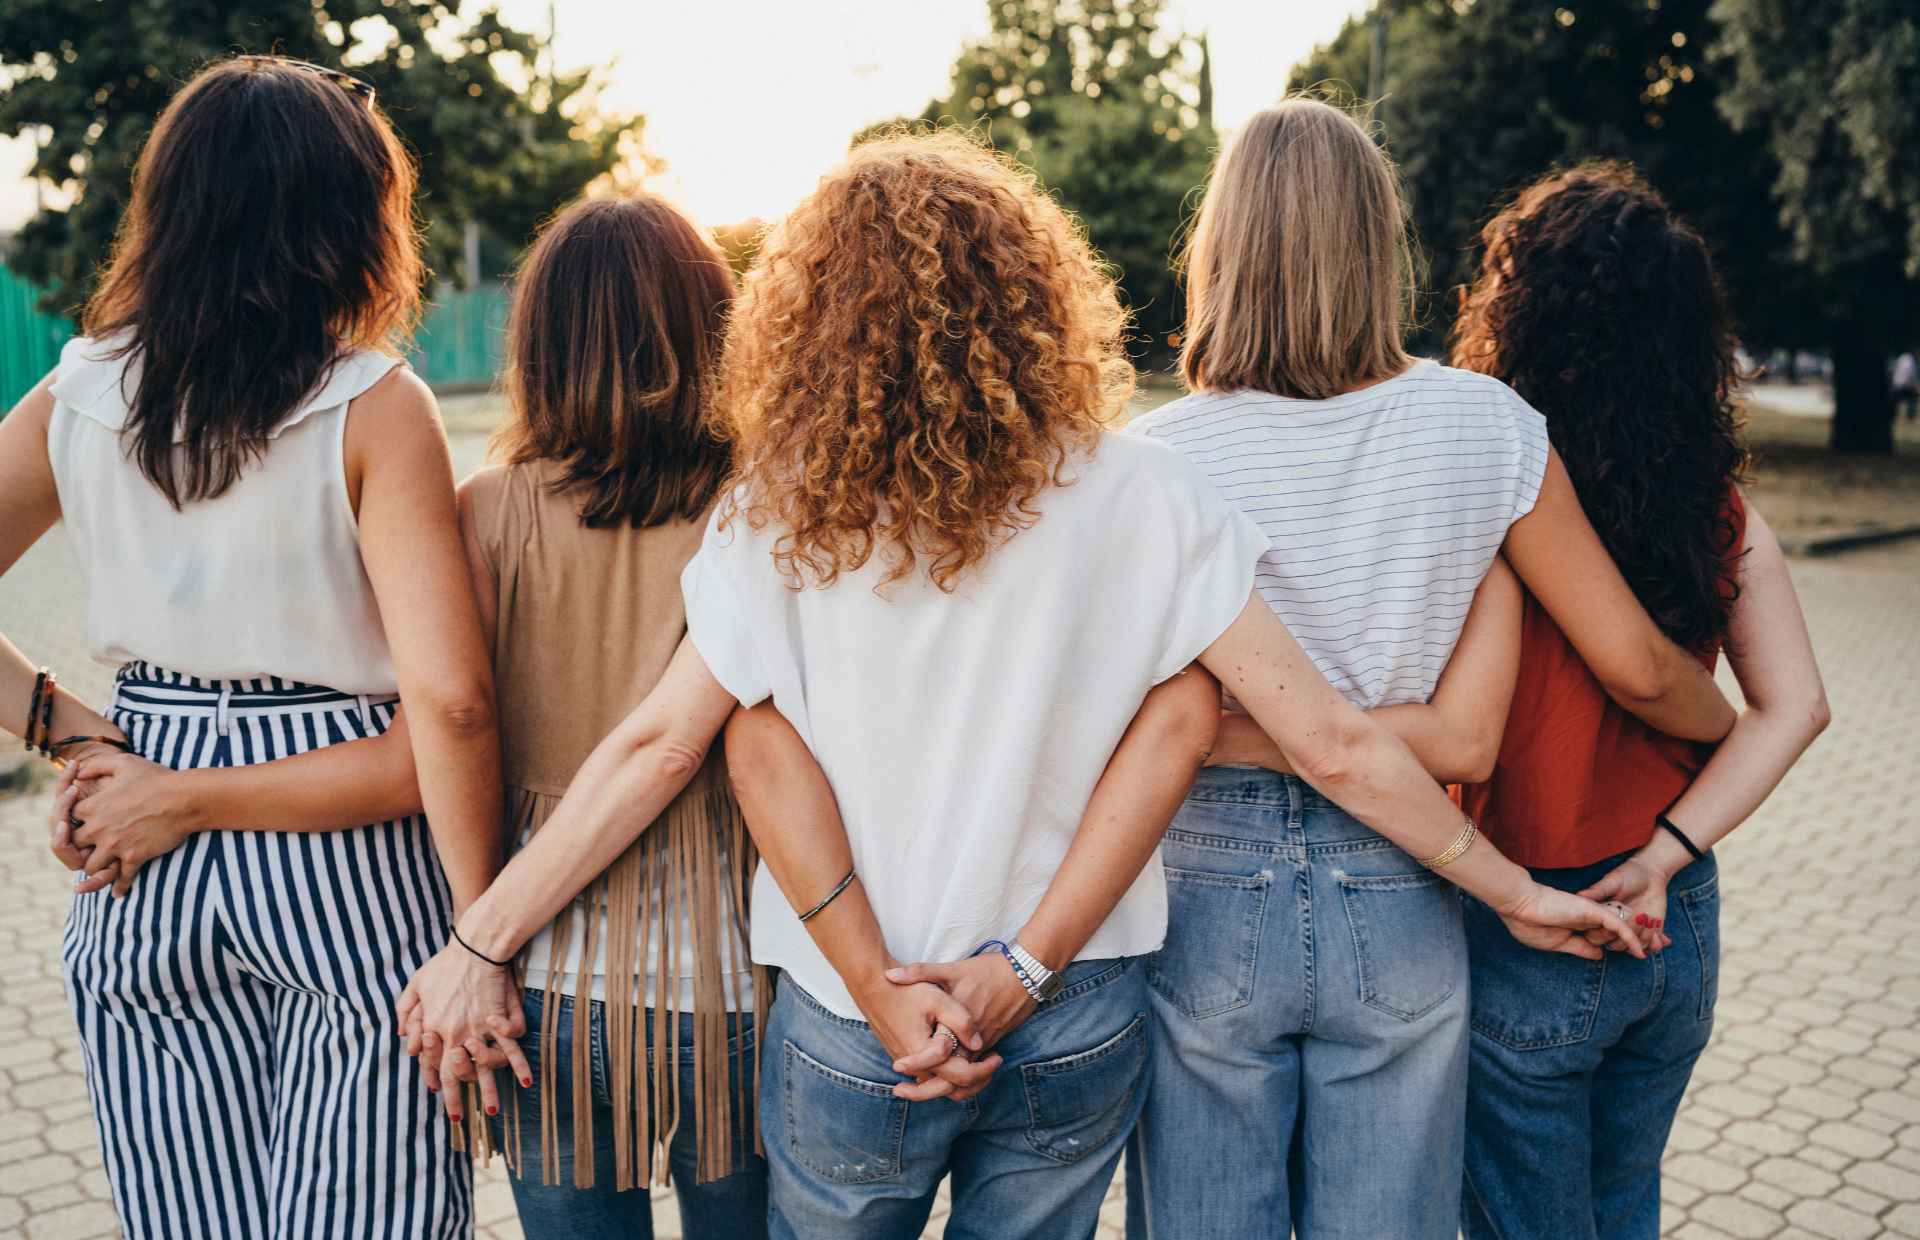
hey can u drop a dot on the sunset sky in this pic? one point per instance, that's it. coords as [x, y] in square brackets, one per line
[748, 101]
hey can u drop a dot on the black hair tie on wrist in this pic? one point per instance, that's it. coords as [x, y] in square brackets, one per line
[1666, 824]
[498, 964]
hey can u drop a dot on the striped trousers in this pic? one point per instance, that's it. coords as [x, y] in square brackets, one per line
[236, 1010]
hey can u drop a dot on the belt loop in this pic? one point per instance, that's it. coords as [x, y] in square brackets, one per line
[366, 715]
[222, 716]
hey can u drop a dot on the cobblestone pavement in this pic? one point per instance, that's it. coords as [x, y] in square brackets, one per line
[1804, 1116]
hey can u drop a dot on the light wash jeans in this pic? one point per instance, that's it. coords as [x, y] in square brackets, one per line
[733, 1207]
[1310, 1028]
[1031, 1156]
[1578, 1067]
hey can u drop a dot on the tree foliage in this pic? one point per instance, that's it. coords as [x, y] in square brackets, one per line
[1112, 108]
[498, 141]
[1833, 87]
[1481, 96]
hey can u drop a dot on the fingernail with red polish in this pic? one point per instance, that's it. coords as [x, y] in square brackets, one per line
[493, 1110]
[526, 1080]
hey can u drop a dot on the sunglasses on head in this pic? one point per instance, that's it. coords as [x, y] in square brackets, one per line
[357, 87]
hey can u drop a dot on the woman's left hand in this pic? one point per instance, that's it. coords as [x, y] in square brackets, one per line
[1641, 888]
[126, 811]
[1559, 921]
[985, 985]
[462, 1017]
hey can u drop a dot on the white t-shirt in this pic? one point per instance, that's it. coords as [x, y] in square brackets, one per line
[1383, 509]
[963, 733]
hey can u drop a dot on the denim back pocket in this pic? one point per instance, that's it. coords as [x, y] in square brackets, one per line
[849, 1130]
[1526, 999]
[1406, 940]
[1077, 1103]
[1217, 888]
[1701, 905]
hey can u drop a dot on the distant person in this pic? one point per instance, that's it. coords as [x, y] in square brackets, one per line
[1602, 310]
[260, 495]
[639, 998]
[963, 614]
[1311, 1001]
[1906, 385]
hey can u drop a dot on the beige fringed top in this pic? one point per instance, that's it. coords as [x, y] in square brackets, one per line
[586, 621]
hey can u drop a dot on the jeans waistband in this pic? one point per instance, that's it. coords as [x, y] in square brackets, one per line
[146, 689]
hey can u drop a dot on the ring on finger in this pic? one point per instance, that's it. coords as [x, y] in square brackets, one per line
[953, 1039]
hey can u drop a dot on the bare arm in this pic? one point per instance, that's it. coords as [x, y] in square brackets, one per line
[411, 546]
[29, 506]
[1367, 771]
[1786, 708]
[804, 844]
[1562, 561]
[1456, 736]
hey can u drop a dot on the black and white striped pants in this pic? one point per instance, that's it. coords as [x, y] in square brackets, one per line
[236, 1010]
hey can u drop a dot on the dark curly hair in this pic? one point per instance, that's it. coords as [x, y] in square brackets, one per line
[1600, 307]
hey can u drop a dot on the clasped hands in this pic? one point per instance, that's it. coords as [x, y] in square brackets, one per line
[913, 1008]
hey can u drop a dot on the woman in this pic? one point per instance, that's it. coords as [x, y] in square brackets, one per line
[1385, 489]
[1602, 310]
[576, 541]
[262, 500]
[957, 587]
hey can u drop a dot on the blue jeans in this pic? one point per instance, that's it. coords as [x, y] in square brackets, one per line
[1031, 1156]
[1578, 1067]
[1310, 1028]
[731, 1208]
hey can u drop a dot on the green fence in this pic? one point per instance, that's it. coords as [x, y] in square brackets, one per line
[458, 345]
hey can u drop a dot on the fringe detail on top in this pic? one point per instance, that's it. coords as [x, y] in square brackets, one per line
[694, 863]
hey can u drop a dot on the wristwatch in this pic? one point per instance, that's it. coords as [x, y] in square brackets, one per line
[1041, 982]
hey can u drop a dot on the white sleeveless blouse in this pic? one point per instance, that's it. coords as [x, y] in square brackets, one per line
[265, 580]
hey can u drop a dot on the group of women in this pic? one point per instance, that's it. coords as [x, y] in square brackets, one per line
[873, 513]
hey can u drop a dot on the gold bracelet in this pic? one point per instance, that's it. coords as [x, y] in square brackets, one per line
[1455, 850]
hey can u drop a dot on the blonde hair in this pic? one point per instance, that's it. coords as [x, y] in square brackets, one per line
[1300, 270]
[915, 354]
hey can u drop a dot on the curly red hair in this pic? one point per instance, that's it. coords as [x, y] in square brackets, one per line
[916, 354]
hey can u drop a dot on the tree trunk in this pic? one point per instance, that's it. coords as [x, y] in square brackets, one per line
[1862, 397]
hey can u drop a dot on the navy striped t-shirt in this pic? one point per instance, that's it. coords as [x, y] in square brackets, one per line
[1384, 509]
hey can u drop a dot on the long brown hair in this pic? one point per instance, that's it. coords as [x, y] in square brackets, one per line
[917, 350]
[271, 230]
[1300, 269]
[1600, 307]
[614, 336]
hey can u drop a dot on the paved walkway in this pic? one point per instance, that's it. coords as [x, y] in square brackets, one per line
[1804, 1116]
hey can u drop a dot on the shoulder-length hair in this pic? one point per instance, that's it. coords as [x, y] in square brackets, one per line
[616, 328]
[1600, 307]
[271, 231]
[1300, 269]
[916, 354]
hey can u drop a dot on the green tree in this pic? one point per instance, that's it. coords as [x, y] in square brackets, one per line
[499, 141]
[1833, 86]
[1481, 98]
[1112, 108]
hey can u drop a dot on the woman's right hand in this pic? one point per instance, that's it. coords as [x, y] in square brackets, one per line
[905, 1019]
[1559, 921]
[462, 1017]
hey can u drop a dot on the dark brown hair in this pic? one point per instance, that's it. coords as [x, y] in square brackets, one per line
[271, 230]
[616, 330]
[1601, 308]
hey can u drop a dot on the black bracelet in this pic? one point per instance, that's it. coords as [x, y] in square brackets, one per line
[1666, 824]
[831, 896]
[498, 964]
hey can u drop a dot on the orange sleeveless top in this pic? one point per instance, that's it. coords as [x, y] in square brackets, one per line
[1579, 779]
